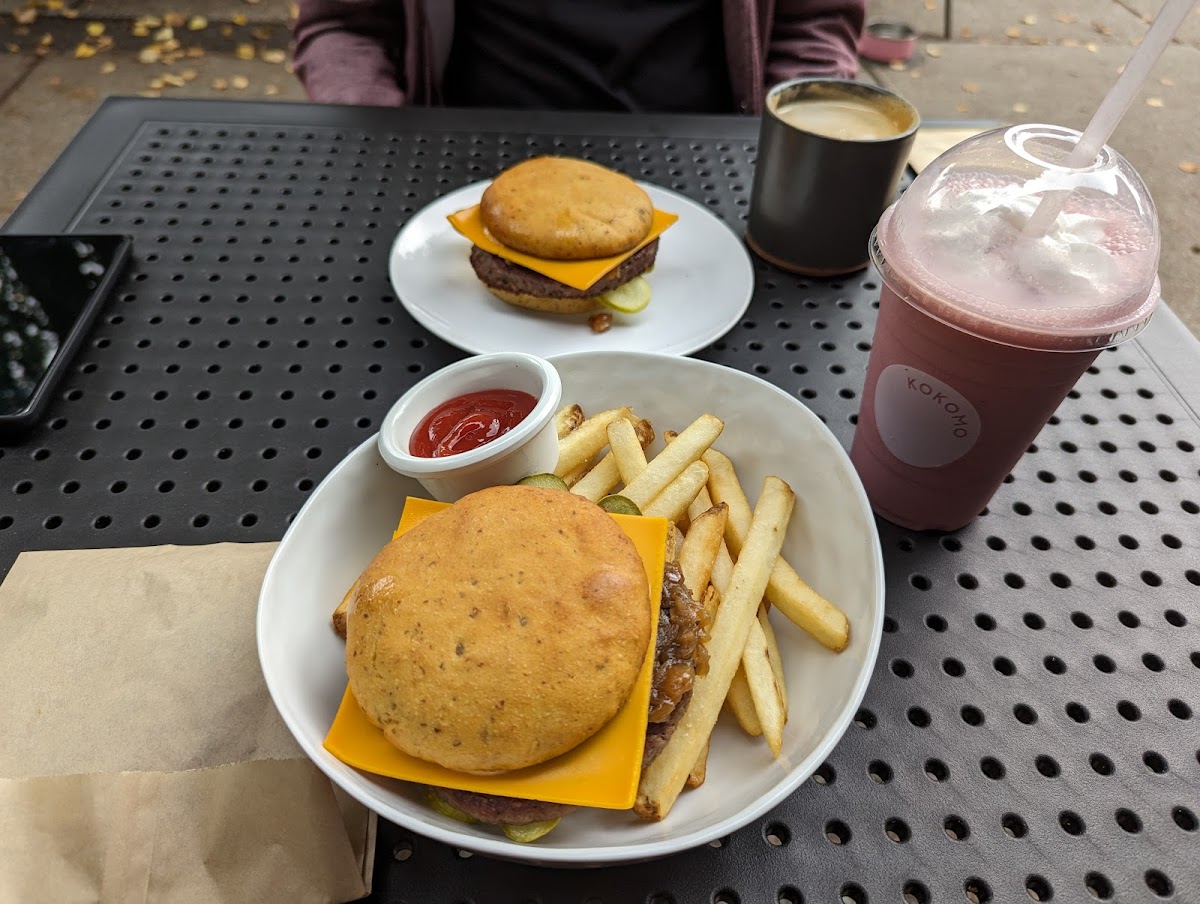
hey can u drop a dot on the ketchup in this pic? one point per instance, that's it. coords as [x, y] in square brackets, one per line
[469, 421]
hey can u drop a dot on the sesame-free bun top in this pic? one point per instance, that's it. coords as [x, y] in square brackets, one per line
[566, 209]
[500, 632]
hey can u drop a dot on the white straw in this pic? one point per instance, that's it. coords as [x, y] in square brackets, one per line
[1170, 17]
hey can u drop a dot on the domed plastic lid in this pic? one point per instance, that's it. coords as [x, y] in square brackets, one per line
[957, 246]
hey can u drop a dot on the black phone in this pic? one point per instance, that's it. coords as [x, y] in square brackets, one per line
[51, 289]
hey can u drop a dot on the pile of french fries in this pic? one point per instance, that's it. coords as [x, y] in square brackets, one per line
[730, 559]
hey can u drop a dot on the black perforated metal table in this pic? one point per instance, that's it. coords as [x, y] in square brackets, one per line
[1031, 729]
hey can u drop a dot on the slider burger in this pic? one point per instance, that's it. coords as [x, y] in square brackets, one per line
[559, 210]
[506, 630]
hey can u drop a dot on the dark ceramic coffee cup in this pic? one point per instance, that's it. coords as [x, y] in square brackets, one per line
[816, 198]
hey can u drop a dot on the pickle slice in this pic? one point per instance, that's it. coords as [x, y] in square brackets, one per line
[446, 809]
[530, 832]
[545, 481]
[627, 298]
[619, 505]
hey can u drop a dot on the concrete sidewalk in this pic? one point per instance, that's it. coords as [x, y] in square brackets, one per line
[1008, 60]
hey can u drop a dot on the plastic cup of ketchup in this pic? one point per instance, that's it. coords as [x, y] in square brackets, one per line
[484, 421]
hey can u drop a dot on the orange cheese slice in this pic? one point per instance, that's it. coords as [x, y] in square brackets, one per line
[580, 275]
[602, 772]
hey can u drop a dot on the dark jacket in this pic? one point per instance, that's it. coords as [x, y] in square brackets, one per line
[393, 52]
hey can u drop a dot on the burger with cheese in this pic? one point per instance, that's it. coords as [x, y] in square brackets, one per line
[564, 236]
[508, 629]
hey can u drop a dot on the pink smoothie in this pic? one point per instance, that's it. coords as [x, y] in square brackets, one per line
[979, 338]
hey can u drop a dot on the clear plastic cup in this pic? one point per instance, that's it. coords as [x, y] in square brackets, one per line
[983, 328]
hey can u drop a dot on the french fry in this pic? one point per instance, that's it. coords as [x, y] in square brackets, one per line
[696, 777]
[663, 781]
[604, 476]
[787, 591]
[567, 419]
[741, 704]
[760, 678]
[774, 656]
[671, 461]
[342, 610]
[584, 443]
[626, 450]
[672, 503]
[573, 477]
[701, 546]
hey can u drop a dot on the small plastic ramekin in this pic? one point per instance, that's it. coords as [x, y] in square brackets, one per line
[531, 447]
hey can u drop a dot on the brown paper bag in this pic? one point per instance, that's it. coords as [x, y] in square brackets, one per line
[141, 757]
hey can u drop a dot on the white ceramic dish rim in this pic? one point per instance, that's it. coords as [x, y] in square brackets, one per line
[502, 848]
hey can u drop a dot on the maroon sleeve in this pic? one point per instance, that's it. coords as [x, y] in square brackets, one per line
[814, 37]
[347, 51]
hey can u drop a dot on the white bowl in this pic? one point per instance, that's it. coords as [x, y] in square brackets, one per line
[832, 542]
[531, 447]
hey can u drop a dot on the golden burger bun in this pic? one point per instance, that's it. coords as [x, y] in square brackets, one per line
[566, 209]
[500, 632]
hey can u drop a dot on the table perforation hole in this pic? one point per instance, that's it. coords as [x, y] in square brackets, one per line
[977, 891]
[953, 667]
[1104, 663]
[1101, 764]
[1179, 709]
[726, 896]
[1175, 618]
[1129, 821]
[1004, 666]
[985, 622]
[1155, 762]
[1014, 826]
[879, 772]
[897, 830]
[1098, 886]
[918, 716]
[1071, 822]
[1184, 818]
[777, 834]
[865, 719]
[1159, 883]
[936, 770]
[1047, 766]
[853, 893]
[837, 832]
[972, 715]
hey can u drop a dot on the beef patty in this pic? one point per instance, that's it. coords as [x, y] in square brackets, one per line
[679, 656]
[497, 273]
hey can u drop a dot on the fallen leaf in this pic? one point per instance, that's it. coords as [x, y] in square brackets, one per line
[970, 87]
[54, 5]
[197, 23]
[934, 52]
[1013, 32]
[220, 84]
[1029, 20]
[70, 13]
[1020, 107]
[1101, 28]
[238, 19]
[108, 67]
[897, 65]
[271, 90]
[1065, 18]
[294, 9]
[1092, 46]
[40, 51]
[1036, 42]
[84, 51]
[227, 31]
[965, 32]
[244, 51]
[104, 42]
[166, 33]
[148, 21]
[54, 81]
[915, 73]
[26, 16]
[189, 75]
[140, 31]
[240, 82]
[174, 19]
[1154, 102]
[94, 29]
[13, 48]
[173, 81]
[150, 93]
[1120, 69]
[194, 53]
[964, 107]
[930, 5]
[1188, 167]
[21, 31]
[1069, 42]
[1169, 82]
[149, 54]
[273, 56]
[46, 40]
[261, 33]
[157, 83]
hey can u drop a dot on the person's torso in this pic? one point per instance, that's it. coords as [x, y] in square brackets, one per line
[637, 55]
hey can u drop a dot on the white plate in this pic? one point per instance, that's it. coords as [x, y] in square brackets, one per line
[701, 285]
[832, 541]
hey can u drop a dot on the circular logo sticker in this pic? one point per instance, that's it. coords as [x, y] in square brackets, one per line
[924, 422]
